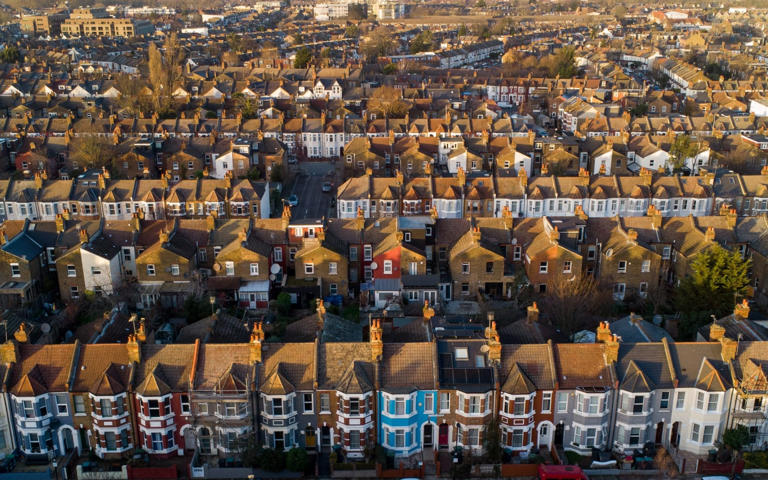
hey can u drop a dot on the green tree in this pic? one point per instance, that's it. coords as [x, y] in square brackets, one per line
[272, 460]
[492, 441]
[389, 69]
[421, 42]
[249, 107]
[619, 11]
[565, 63]
[682, 149]
[283, 303]
[303, 57]
[718, 279]
[735, 439]
[296, 459]
[480, 4]
[357, 11]
[10, 54]
[462, 30]
[353, 31]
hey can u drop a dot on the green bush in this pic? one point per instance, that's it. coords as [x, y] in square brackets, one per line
[296, 459]
[272, 460]
[755, 459]
[572, 457]
[284, 303]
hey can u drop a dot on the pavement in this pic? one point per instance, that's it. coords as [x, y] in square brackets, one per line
[308, 187]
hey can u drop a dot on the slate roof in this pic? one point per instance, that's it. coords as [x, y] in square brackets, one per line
[406, 367]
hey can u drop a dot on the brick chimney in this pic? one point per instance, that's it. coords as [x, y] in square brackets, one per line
[604, 332]
[716, 332]
[632, 235]
[9, 352]
[360, 219]
[731, 218]
[554, 234]
[21, 335]
[427, 312]
[377, 344]
[320, 309]
[141, 334]
[135, 223]
[83, 235]
[286, 216]
[579, 212]
[612, 350]
[647, 176]
[532, 315]
[655, 215]
[728, 349]
[257, 336]
[494, 343]
[523, 176]
[741, 310]
[134, 349]
[476, 235]
[709, 235]
[461, 177]
[163, 237]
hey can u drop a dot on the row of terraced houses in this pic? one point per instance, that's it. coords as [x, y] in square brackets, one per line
[437, 393]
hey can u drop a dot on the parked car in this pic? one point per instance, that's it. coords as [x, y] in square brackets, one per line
[327, 187]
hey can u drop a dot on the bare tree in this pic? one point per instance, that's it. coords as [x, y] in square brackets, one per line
[91, 151]
[572, 303]
[390, 101]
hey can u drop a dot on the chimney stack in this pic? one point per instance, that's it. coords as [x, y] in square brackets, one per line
[134, 349]
[532, 314]
[741, 310]
[494, 343]
[612, 350]
[716, 332]
[9, 352]
[377, 344]
[257, 337]
[604, 332]
[83, 235]
[729, 349]
[21, 335]
[320, 315]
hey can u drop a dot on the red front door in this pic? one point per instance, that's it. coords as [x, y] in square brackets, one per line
[442, 438]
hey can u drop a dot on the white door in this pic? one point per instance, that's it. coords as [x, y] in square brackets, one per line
[251, 300]
[431, 296]
[545, 435]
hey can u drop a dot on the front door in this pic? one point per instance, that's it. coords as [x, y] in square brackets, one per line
[675, 437]
[442, 438]
[559, 431]
[659, 433]
[251, 300]
[428, 436]
[545, 435]
[311, 438]
[325, 436]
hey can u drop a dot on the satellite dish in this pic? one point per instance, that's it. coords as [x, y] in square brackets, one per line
[217, 266]
[272, 277]
[374, 265]
[484, 348]
[45, 327]
[514, 241]
[274, 269]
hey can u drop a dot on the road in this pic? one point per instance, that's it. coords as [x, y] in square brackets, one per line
[308, 186]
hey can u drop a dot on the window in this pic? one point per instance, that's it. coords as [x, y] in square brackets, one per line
[352, 254]
[309, 404]
[543, 267]
[157, 441]
[622, 266]
[488, 267]
[445, 401]
[429, 403]
[61, 404]
[106, 407]
[519, 406]
[278, 254]
[461, 353]
[700, 401]
[151, 270]
[646, 266]
[680, 402]
[637, 407]
[254, 269]
[71, 271]
[465, 268]
[354, 406]
[15, 270]
[34, 442]
[154, 408]
[562, 402]
[666, 253]
[465, 289]
[124, 441]
[309, 268]
[591, 437]
[634, 436]
[185, 404]
[354, 439]
[695, 430]
[567, 266]
[474, 404]
[367, 253]
[74, 293]
[79, 405]
[387, 267]
[473, 436]
[546, 402]
[175, 271]
[399, 438]
[517, 437]
[407, 236]
[202, 409]
[325, 402]
[664, 402]
[517, 253]
[399, 406]
[712, 401]
[127, 254]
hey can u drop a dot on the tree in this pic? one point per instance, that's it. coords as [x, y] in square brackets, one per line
[165, 71]
[283, 303]
[378, 44]
[389, 69]
[303, 57]
[462, 30]
[665, 463]
[357, 11]
[389, 100]
[249, 106]
[296, 459]
[480, 4]
[492, 441]
[619, 11]
[353, 31]
[682, 149]
[10, 54]
[717, 279]
[91, 151]
[735, 439]
[421, 42]
[272, 460]
[570, 303]
[564, 63]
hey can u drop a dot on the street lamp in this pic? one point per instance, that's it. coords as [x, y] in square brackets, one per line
[212, 299]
